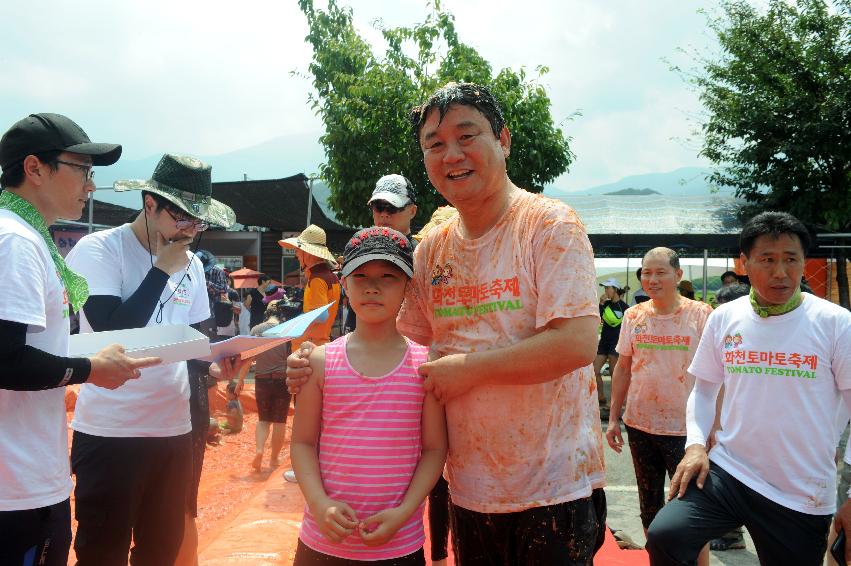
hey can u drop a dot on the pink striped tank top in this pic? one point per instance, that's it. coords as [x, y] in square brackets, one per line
[369, 446]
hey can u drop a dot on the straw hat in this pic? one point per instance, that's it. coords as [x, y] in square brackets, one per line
[438, 217]
[312, 241]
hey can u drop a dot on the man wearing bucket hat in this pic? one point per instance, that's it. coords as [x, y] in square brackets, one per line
[322, 286]
[47, 163]
[658, 339]
[612, 308]
[132, 451]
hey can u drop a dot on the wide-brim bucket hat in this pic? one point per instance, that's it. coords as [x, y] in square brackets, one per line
[312, 240]
[185, 182]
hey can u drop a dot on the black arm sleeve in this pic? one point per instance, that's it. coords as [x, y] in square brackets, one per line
[25, 368]
[197, 366]
[106, 312]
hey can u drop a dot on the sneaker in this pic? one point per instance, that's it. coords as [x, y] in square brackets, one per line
[734, 540]
[289, 476]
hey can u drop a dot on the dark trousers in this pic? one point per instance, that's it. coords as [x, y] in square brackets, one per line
[781, 536]
[306, 556]
[652, 456]
[36, 537]
[564, 534]
[130, 487]
[438, 519]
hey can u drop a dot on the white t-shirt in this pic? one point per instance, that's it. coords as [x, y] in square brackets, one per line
[244, 319]
[34, 469]
[156, 404]
[512, 447]
[782, 377]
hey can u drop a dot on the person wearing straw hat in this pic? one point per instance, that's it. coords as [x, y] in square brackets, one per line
[612, 308]
[47, 163]
[322, 287]
[132, 450]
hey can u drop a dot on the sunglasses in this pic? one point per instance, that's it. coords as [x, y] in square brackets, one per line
[88, 172]
[184, 223]
[381, 206]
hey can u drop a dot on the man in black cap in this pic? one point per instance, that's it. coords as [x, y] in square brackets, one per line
[47, 174]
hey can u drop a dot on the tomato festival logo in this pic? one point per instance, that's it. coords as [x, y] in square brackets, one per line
[732, 342]
[441, 275]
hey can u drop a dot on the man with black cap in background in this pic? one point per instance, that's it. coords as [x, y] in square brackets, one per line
[47, 163]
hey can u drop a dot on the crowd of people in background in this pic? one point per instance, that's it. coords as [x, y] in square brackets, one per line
[467, 372]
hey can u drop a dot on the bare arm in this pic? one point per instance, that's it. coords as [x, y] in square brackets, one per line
[335, 518]
[381, 527]
[563, 346]
[621, 378]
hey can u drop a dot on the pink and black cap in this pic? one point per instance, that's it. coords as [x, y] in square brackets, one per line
[377, 243]
[38, 133]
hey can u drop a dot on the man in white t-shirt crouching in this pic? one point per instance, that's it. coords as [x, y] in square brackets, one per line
[784, 360]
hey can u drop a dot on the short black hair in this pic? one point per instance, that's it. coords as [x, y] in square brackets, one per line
[731, 293]
[638, 273]
[728, 273]
[773, 224]
[673, 257]
[466, 94]
[13, 175]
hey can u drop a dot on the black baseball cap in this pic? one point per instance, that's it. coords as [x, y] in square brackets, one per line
[376, 243]
[38, 133]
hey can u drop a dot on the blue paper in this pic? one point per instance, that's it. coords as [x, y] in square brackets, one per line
[297, 326]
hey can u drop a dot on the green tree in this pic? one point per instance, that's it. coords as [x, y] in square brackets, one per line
[779, 110]
[364, 102]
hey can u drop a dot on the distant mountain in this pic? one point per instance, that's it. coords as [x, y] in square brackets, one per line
[686, 181]
[279, 157]
[633, 192]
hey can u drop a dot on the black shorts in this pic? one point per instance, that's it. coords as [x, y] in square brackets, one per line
[564, 534]
[306, 556]
[273, 400]
[36, 536]
[607, 348]
[133, 486]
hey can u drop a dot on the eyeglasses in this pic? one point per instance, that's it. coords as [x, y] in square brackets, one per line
[184, 223]
[88, 171]
[381, 206]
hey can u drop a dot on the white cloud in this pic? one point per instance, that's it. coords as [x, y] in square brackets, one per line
[210, 77]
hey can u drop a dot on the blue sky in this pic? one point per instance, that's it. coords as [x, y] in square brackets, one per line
[212, 77]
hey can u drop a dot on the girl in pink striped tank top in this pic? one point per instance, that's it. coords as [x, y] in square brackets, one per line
[368, 442]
